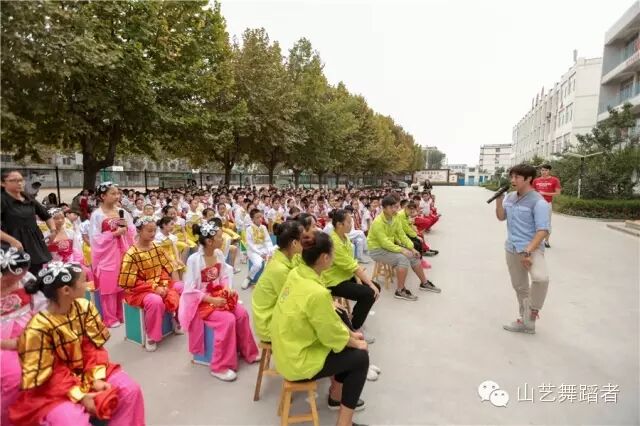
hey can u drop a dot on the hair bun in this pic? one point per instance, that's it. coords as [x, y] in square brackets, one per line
[33, 286]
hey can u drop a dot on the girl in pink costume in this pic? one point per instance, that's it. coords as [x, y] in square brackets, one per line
[110, 236]
[208, 300]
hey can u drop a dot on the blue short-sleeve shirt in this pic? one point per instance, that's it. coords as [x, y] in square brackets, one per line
[525, 216]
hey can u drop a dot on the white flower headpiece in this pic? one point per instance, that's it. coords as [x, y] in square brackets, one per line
[104, 187]
[208, 229]
[143, 220]
[54, 211]
[14, 260]
[50, 272]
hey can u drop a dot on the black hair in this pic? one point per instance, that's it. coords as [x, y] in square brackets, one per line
[49, 284]
[524, 170]
[349, 209]
[6, 172]
[314, 245]
[254, 212]
[165, 209]
[287, 232]
[412, 204]
[546, 166]
[217, 221]
[338, 216]
[306, 220]
[294, 211]
[403, 203]
[165, 220]
[202, 240]
[389, 200]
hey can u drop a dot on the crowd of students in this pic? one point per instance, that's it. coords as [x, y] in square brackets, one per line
[176, 252]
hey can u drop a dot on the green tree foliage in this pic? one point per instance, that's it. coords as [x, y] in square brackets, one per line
[262, 81]
[109, 78]
[610, 175]
[434, 159]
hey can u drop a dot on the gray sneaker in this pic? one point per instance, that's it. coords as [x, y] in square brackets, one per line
[405, 295]
[429, 286]
[519, 327]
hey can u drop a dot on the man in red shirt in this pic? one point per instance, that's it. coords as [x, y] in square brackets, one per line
[548, 186]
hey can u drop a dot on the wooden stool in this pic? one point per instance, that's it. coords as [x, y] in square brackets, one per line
[265, 368]
[288, 388]
[385, 271]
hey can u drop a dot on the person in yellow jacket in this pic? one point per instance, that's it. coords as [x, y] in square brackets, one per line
[408, 210]
[389, 244]
[267, 289]
[308, 338]
[340, 278]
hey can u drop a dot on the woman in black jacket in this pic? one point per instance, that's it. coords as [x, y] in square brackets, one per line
[18, 222]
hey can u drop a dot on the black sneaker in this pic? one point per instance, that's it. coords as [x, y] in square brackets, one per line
[429, 286]
[431, 253]
[547, 245]
[335, 405]
[405, 295]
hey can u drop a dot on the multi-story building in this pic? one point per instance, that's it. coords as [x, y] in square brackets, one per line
[620, 81]
[570, 108]
[493, 157]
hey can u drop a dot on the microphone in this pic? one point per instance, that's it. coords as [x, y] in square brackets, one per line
[121, 214]
[498, 193]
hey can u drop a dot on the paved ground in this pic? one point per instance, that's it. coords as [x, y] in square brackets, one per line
[435, 352]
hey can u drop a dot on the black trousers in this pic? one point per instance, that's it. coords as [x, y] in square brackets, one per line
[350, 368]
[417, 244]
[362, 294]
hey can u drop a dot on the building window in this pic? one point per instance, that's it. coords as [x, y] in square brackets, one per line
[630, 47]
[626, 90]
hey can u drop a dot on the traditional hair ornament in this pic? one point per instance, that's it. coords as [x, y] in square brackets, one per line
[208, 229]
[54, 211]
[13, 260]
[143, 220]
[104, 187]
[53, 269]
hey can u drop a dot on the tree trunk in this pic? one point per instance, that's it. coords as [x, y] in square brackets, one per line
[271, 169]
[89, 172]
[91, 165]
[296, 177]
[227, 173]
[337, 180]
[320, 176]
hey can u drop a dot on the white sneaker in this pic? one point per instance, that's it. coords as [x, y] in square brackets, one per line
[236, 270]
[115, 324]
[150, 345]
[227, 376]
[375, 368]
[246, 283]
[372, 376]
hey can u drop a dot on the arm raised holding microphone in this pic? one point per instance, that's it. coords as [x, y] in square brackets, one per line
[527, 216]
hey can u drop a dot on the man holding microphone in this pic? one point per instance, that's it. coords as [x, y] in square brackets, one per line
[527, 216]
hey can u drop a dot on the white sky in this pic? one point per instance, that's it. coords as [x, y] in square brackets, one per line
[455, 74]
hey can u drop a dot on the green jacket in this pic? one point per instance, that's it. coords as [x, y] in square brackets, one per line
[388, 235]
[266, 293]
[344, 263]
[406, 224]
[305, 326]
